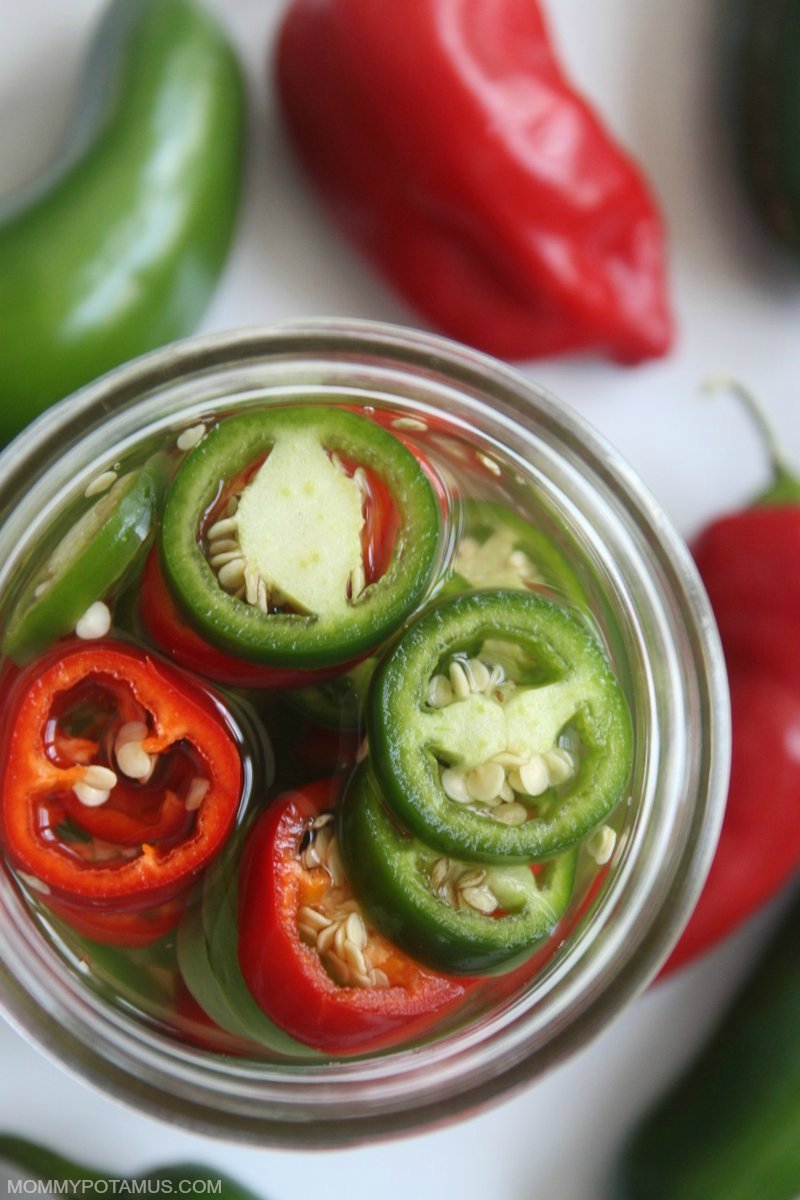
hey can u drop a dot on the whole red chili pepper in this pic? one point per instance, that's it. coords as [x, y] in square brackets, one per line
[447, 142]
[748, 562]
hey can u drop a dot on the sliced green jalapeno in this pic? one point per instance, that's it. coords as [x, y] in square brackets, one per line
[457, 916]
[263, 539]
[93, 555]
[496, 729]
[500, 549]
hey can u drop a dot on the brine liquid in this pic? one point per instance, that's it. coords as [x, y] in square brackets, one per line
[286, 747]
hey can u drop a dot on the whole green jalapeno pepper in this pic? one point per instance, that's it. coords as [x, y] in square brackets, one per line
[764, 88]
[38, 1162]
[115, 249]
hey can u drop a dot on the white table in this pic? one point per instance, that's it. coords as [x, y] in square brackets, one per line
[650, 67]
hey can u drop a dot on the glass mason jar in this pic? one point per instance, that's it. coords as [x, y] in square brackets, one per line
[661, 635]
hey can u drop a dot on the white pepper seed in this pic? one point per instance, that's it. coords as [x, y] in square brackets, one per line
[89, 796]
[440, 693]
[484, 782]
[133, 761]
[491, 466]
[95, 622]
[409, 423]
[356, 931]
[219, 559]
[191, 436]
[232, 574]
[459, 681]
[196, 794]
[325, 938]
[220, 529]
[313, 917]
[510, 814]
[477, 674]
[481, 899]
[101, 483]
[600, 845]
[439, 872]
[455, 785]
[531, 779]
[560, 765]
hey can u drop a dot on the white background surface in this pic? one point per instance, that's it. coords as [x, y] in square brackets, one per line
[650, 67]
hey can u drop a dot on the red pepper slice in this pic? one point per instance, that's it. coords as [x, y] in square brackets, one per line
[174, 637]
[287, 976]
[473, 175]
[135, 850]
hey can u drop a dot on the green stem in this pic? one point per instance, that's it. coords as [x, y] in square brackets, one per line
[785, 487]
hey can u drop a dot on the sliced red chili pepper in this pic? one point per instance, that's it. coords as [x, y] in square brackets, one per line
[102, 736]
[306, 954]
[180, 642]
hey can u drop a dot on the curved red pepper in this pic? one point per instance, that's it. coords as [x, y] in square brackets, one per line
[448, 144]
[88, 858]
[287, 977]
[759, 847]
[747, 563]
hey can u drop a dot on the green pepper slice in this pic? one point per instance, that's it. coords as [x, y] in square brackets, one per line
[281, 578]
[497, 730]
[499, 549]
[92, 556]
[453, 915]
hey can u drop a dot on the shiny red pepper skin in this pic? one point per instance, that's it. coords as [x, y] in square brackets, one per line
[287, 977]
[748, 564]
[447, 143]
[41, 764]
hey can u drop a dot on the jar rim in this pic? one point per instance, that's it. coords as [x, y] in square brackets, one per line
[353, 1100]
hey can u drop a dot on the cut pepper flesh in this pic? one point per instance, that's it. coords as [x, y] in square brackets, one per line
[94, 817]
[491, 768]
[282, 576]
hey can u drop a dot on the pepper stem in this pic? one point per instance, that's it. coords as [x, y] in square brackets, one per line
[785, 486]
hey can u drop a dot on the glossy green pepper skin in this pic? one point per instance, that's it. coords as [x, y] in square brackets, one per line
[764, 88]
[37, 1162]
[728, 1129]
[116, 248]
[395, 878]
[567, 684]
